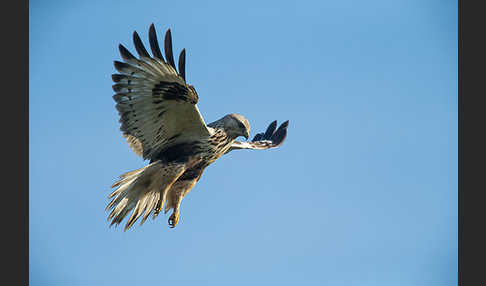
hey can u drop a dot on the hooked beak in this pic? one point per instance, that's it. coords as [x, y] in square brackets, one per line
[246, 135]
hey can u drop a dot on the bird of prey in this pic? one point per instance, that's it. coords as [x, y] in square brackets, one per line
[161, 122]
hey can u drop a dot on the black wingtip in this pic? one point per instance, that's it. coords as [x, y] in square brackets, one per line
[117, 87]
[279, 136]
[270, 130]
[257, 137]
[168, 48]
[182, 64]
[116, 77]
[125, 53]
[154, 43]
[142, 52]
[283, 126]
[120, 66]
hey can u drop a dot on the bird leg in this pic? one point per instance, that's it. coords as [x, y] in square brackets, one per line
[174, 218]
[177, 192]
[176, 198]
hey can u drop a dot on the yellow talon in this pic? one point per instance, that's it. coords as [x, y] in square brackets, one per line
[174, 219]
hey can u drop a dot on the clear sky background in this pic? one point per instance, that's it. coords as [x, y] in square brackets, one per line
[363, 191]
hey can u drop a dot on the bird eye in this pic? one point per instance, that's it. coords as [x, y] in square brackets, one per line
[241, 125]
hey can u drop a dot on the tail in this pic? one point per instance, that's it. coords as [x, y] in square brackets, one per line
[142, 190]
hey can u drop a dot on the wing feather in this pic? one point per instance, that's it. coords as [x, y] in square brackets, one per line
[270, 130]
[154, 43]
[270, 139]
[125, 53]
[168, 48]
[182, 64]
[157, 108]
[142, 52]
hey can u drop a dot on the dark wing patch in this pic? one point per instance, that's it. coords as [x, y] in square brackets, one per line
[174, 91]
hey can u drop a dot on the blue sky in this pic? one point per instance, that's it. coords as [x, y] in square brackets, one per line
[363, 191]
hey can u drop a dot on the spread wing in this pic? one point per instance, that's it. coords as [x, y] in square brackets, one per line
[157, 108]
[272, 138]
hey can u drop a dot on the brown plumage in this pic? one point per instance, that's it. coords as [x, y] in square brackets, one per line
[161, 122]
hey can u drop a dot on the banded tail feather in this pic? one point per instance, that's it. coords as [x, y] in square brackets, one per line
[144, 191]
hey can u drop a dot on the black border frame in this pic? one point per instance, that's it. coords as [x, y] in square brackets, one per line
[471, 23]
[471, 91]
[15, 143]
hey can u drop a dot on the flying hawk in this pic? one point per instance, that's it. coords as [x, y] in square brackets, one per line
[161, 122]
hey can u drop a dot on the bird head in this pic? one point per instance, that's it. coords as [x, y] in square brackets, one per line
[236, 125]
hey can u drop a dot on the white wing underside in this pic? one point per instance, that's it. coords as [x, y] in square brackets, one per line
[261, 145]
[157, 108]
